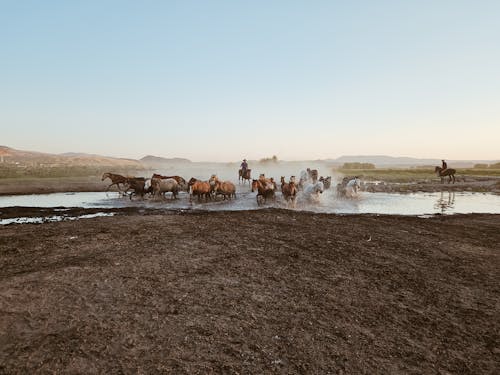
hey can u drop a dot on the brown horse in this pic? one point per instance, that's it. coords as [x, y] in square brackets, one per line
[289, 190]
[244, 176]
[225, 188]
[265, 190]
[135, 186]
[200, 189]
[450, 172]
[116, 179]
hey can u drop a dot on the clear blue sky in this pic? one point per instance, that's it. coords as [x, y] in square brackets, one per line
[223, 80]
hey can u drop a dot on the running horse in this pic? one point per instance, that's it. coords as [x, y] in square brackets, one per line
[289, 190]
[244, 176]
[116, 179]
[450, 172]
[265, 190]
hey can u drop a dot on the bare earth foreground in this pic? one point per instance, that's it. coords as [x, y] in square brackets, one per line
[268, 291]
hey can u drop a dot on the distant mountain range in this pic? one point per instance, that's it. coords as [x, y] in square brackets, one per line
[12, 156]
[158, 162]
[39, 159]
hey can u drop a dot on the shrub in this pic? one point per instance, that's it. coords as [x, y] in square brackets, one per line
[273, 159]
[357, 165]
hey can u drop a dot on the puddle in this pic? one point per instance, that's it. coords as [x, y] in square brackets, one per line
[49, 219]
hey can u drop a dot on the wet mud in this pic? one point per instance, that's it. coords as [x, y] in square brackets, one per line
[268, 291]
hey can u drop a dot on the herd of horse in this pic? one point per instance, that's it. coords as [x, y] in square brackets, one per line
[159, 186]
[309, 184]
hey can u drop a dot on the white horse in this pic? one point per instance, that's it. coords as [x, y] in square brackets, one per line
[352, 187]
[312, 191]
[162, 186]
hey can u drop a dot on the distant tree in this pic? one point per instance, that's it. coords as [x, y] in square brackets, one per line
[424, 167]
[356, 165]
[480, 166]
[273, 159]
[495, 166]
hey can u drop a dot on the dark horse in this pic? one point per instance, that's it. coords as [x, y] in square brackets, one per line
[265, 190]
[116, 179]
[450, 172]
[246, 176]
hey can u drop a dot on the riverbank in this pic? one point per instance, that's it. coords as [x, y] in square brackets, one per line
[33, 185]
[19, 186]
[251, 292]
[469, 184]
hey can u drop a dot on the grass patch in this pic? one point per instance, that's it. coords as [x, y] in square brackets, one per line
[412, 174]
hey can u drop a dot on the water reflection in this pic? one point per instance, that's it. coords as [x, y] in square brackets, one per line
[446, 202]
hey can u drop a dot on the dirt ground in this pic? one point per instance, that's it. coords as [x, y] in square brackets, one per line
[15, 186]
[253, 292]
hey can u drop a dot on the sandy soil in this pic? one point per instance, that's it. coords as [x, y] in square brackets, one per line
[10, 186]
[257, 292]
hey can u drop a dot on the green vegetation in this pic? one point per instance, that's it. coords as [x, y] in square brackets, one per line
[412, 174]
[486, 166]
[273, 159]
[356, 165]
[15, 171]
[480, 172]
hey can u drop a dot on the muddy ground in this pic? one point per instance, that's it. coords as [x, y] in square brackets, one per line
[254, 292]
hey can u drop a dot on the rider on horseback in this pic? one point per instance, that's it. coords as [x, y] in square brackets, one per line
[244, 167]
[444, 166]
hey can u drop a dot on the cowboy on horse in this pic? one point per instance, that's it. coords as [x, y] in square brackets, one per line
[244, 172]
[244, 167]
[444, 171]
[444, 166]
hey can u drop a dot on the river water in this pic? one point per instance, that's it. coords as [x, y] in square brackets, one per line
[374, 203]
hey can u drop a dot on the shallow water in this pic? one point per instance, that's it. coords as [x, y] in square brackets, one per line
[328, 202]
[49, 219]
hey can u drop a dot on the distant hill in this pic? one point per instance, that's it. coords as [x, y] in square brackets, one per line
[39, 159]
[159, 162]
[392, 161]
[11, 156]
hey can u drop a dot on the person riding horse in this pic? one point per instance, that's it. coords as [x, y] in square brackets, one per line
[244, 167]
[444, 166]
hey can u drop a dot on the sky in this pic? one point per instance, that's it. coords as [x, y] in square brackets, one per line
[227, 80]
